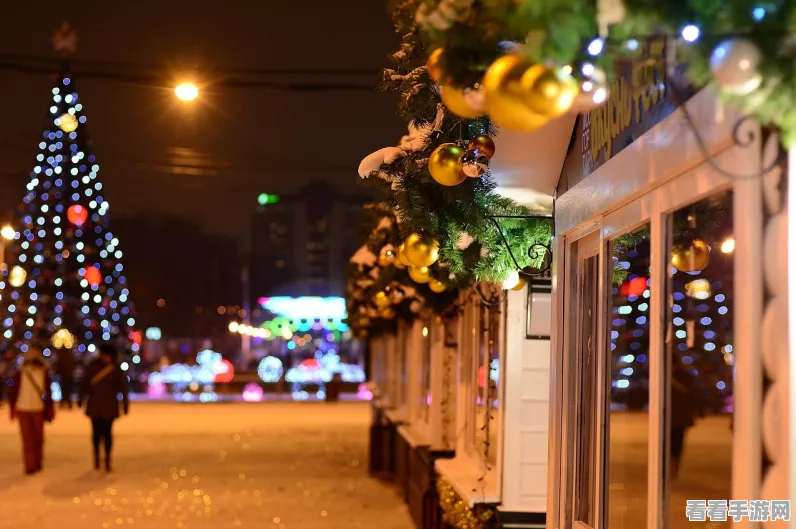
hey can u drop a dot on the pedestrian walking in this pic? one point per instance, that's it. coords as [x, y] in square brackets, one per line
[32, 404]
[103, 382]
[65, 368]
[684, 409]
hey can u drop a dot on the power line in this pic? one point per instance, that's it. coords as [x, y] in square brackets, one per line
[160, 75]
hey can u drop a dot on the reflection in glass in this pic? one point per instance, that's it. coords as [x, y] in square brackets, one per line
[700, 357]
[487, 418]
[424, 404]
[585, 393]
[627, 424]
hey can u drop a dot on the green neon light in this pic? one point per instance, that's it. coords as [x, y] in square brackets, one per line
[265, 198]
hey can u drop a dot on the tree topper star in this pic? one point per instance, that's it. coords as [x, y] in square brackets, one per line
[65, 40]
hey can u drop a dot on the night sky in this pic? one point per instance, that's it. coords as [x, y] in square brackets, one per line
[243, 141]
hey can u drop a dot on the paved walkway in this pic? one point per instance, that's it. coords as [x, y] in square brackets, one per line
[203, 466]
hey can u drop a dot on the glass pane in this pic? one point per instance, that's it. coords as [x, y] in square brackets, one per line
[424, 406]
[627, 417]
[493, 429]
[470, 355]
[700, 361]
[482, 382]
[586, 397]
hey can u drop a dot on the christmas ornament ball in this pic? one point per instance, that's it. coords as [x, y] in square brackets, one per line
[549, 91]
[67, 123]
[381, 300]
[464, 102]
[505, 96]
[483, 143]
[444, 164]
[735, 66]
[93, 275]
[387, 314]
[474, 163]
[420, 274]
[77, 214]
[402, 258]
[386, 256]
[520, 284]
[434, 65]
[420, 250]
[692, 258]
[511, 281]
[437, 286]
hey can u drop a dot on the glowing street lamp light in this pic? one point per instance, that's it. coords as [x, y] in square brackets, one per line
[8, 233]
[186, 91]
[728, 246]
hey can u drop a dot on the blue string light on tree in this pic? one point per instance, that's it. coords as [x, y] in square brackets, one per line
[54, 286]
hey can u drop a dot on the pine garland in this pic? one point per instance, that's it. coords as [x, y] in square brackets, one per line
[449, 214]
[560, 31]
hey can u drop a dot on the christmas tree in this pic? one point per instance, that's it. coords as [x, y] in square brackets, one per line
[63, 285]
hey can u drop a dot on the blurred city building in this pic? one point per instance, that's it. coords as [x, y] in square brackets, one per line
[301, 243]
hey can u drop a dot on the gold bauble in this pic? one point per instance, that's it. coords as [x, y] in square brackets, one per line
[694, 258]
[484, 144]
[402, 258]
[381, 300]
[445, 165]
[398, 264]
[520, 284]
[434, 65]
[421, 251]
[386, 256]
[461, 101]
[67, 123]
[437, 286]
[549, 91]
[506, 98]
[420, 274]
[387, 313]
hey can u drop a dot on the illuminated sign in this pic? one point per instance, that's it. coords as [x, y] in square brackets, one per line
[306, 307]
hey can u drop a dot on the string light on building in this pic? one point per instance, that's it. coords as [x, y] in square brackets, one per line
[8, 233]
[728, 246]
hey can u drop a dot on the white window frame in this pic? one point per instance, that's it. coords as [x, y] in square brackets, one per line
[650, 180]
[465, 469]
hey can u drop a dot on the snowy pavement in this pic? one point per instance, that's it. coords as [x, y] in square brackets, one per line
[202, 466]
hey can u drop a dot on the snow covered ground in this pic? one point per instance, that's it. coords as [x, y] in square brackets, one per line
[202, 466]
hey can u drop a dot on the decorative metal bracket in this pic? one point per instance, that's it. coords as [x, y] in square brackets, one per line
[536, 249]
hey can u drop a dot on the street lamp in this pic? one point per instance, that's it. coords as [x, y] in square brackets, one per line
[8, 233]
[186, 91]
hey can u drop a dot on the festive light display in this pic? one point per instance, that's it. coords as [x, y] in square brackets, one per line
[306, 307]
[210, 368]
[270, 369]
[252, 392]
[63, 339]
[64, 269]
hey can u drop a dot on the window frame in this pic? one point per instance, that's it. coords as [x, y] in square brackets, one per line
[654, 205]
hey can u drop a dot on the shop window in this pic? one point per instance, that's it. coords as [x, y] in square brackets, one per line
[423, 408]
[627, 423]
[486, 377]
[700, 360]
[585, 395]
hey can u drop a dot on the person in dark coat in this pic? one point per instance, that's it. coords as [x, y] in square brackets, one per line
[65, 368]
[683, 411]
[103, 382]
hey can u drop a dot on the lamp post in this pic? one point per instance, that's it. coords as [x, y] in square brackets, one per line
[7, 233]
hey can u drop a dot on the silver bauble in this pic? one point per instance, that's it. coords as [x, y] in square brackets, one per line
[735, 66]
[474, 163]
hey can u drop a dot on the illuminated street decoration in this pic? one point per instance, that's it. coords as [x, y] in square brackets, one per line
[308, 307]
[210, 368]
[270, 369]
[252, 392]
